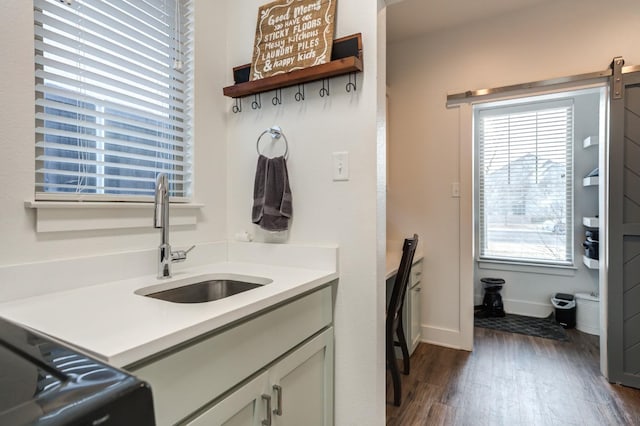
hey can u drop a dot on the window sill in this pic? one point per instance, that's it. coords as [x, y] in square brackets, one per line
[531, 268]
[61, 216]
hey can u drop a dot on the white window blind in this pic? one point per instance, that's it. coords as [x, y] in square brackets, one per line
[113, 98]
[525, 191]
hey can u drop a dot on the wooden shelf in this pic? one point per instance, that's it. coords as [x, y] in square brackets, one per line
[590, 181]
[590, 141]
[591, 222]
[346, 58]
[318, 72]
[590, 263]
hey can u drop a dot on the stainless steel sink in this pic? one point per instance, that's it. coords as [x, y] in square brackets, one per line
[204, 290]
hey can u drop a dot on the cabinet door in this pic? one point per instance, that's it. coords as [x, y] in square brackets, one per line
[247, 406]
[416, 314]
[302, 384]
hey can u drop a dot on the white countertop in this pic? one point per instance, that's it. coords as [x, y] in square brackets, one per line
[120, 327]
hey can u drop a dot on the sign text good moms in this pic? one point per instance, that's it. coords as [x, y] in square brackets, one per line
[291, 35]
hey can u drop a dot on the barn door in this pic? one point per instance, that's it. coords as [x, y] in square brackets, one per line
[624, 228]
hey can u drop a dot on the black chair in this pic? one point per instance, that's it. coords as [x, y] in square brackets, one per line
[394, 327]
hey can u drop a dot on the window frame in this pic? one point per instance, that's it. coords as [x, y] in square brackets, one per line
[41, 196]
[525, 103]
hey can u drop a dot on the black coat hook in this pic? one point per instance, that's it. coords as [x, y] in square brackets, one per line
[277, 99]
[300, 93]
[352, 85]
[238, 106]
[325, 91]
[257, 101]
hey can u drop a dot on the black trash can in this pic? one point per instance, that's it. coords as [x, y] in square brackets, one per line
[565, 309]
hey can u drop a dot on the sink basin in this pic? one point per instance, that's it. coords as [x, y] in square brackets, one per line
[204, 289]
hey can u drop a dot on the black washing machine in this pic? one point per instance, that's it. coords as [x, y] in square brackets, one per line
[43, 382]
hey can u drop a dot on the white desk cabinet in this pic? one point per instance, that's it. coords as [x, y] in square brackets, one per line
[413, 307]
[221, 377]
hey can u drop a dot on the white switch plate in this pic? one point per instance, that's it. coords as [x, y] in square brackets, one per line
[455, 190]
[340, 166]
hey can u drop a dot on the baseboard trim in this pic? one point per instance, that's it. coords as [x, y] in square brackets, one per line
[529, 309]
[522, 307]
[441, 336]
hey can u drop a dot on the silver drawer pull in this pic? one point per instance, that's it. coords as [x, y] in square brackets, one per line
[267, 421]
[278, 390]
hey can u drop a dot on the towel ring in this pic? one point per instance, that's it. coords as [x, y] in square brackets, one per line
[275, 132]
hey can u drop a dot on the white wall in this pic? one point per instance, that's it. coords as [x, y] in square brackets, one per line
[324, 211]
[554, 39]
[20, 243]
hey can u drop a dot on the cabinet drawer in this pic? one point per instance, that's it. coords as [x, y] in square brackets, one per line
[185, 380]
[416, 273]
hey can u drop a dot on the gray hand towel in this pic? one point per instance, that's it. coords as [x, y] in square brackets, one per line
[272, 207]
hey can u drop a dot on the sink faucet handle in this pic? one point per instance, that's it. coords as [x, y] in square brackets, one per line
[181, 255]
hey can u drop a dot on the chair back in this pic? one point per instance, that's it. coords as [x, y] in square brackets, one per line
[402, 281]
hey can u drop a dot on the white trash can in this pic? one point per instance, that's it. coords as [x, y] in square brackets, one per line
[588, 313]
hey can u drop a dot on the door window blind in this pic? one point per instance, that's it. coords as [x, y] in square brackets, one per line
[113, 93]
[525, 191]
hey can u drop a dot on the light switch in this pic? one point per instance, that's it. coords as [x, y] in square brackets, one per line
[340, 166]
[455, 190]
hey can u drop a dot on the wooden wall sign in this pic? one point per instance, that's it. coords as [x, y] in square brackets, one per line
[291, 35]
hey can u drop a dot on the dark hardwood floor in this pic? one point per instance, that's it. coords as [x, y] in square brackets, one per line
[512, 379]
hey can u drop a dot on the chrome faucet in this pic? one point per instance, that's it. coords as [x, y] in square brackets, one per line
[161, 220]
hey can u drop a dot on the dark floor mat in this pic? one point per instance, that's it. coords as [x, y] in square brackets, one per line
[538, 327]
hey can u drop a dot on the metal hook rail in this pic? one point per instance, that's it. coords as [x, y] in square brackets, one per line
[299, 95]
[276, 133]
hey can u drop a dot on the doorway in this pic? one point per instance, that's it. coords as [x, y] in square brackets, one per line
[539, 190]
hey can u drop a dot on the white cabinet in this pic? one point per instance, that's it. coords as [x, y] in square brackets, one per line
[413, 307]
[416, 315]
[229, 363]
[296, 390]
[302, 384]
[247, 406]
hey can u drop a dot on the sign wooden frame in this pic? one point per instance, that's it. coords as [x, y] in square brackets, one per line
[292, 35]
